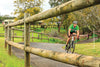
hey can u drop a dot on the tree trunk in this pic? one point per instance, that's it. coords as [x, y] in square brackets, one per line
[63, 16]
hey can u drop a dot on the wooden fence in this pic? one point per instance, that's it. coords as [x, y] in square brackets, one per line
[75, 59]
[40, 35]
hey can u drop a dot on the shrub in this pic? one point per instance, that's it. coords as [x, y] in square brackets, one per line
[53, 33]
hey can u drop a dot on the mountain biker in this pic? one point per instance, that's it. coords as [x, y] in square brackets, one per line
[73, 29]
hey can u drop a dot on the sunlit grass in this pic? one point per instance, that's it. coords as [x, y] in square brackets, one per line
[91, 49]
[6, 60]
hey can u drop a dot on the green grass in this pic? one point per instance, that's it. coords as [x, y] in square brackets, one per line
[6, 60]
[88, 49]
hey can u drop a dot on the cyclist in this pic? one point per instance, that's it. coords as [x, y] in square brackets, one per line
[73, 29]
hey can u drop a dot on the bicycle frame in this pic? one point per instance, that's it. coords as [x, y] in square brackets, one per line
[71, 44]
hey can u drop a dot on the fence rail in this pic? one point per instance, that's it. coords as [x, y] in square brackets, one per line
[75, 59]
[39, 37]
[1, 34]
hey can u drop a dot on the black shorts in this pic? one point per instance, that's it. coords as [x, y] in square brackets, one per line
[70, 33]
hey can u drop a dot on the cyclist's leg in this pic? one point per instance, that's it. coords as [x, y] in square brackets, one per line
[69, 37]
[68, 40]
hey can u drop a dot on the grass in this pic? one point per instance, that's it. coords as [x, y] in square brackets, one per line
[88, 49]
[6, 60]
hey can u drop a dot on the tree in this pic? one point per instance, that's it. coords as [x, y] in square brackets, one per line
[89, 19]
[27, 6]
[54, 3]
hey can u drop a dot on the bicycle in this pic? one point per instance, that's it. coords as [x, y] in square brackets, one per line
[71, 45]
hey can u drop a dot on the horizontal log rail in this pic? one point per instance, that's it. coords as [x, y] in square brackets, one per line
[67, 7]
[30, 37]
[30, 31]
[74, 59]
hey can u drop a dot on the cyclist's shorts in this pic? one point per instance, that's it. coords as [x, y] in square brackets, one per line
[70, 33]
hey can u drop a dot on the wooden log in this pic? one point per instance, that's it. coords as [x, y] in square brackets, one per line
[17, 29]
[74, 59]
[9, 38]
[5, 37]
[13, 35]
[38, 36]
[23, 36]
[19, 46]
[27, 42]
[41, 36]
[30, 31]
[32, 36]
[17, 36]
[48, 39]
[67, 7]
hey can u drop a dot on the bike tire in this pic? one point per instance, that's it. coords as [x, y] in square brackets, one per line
[71, 47]
[68, 47]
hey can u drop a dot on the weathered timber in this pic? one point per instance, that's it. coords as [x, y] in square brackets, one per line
[5, 37]
[26, 41]
[74, 59]
[9, 38]
[19, 46]
[67, 7]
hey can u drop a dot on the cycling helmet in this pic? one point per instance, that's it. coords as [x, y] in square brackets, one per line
[75, 22]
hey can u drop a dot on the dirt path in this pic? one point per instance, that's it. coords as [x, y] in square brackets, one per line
[38, 61]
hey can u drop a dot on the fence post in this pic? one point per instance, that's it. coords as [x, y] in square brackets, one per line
[38, 35]
[5, 37]
[23, 36]
[13, 35]
[27, 42]
[48, 39]
[41, 36]
[32, 36]
[9, 38]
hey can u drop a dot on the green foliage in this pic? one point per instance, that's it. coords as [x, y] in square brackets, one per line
[2, 18]
[27, 6]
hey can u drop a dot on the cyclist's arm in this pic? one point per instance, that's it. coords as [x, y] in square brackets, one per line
[78, 32]
[69, 29]
[69, 32]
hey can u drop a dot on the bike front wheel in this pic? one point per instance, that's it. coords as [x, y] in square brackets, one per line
[71, 47]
